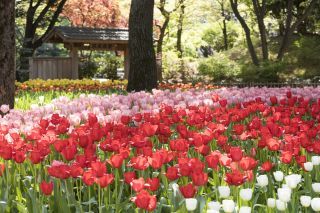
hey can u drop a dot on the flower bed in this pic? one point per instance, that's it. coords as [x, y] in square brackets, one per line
[39, 85]
[246, 149]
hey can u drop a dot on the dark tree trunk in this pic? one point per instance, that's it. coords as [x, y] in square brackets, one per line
[225, 34]
[7, 52]
[260, 11]
[290, 28]
[143, 72]
[179, 40]
[253, 54]
[180, 29]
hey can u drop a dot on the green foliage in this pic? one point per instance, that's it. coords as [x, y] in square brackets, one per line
[88, 69]
[219, 67]
[112, 63]
[213, 35]
[265, 72]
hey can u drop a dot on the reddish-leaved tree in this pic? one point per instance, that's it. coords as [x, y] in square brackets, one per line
[94, 13]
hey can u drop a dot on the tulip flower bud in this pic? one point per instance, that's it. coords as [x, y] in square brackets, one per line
[228, 205]
[315, 204]
[293, 180]
[278, 176]
[284, 194]
[315, 160]
[305, 201]
[262, 180]
[246, 194]
[316, 187]
[215, 205]
[281, 206]
[212, 211]
[191, 204]
[245, 209]
[308, 166]
[271, 202]
[224, 191]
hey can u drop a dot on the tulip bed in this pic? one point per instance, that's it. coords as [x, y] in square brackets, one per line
[226, 150]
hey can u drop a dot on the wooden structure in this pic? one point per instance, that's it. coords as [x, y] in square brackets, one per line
[75, 39]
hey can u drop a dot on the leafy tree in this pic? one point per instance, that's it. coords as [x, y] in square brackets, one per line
[40, 17]
[7, 52]
[94, 13]
[143, 73]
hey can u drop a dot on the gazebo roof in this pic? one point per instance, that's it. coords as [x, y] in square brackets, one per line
[81, 36]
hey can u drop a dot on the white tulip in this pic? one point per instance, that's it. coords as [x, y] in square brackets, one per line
[315, 160]
[293, 180]
[305, 201]
[228, 205]
[215, 205]
[191, 204]
[262, 180]
[212, 211]
[278, 176]
[271, 202]
[246, 194]
[284, 194]
[224, 191]
[308, 166]
[315, 204]
[281, 206]
[245, 209]
[316, 187]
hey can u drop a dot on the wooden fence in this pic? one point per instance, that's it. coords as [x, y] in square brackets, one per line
[270, 85]
[50, 68]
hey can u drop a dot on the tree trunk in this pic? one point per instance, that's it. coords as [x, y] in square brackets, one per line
[180, 29]
[260, 14]
[143, 72]
[26, 52]
[253, 54]
[160, 45]
[225, 34]
[7, 52]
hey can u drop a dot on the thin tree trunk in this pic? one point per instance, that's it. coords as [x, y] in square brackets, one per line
[253, 54]
[7, 52]
[179, 40]
[260, 14]
[225, 34]
[143, 72]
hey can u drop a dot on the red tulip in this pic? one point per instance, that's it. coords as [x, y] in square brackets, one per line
[129, 177]
[46, 188]
[235, 178]
[199, 178]
[153, 184]
[236, 153]
[105, 180]
[116, 161]
[137, 184]
[188, 191]
[266, 166]
[172, 173]
[145, 201]
[286, 157]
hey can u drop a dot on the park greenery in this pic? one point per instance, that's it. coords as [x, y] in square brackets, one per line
[212, 43]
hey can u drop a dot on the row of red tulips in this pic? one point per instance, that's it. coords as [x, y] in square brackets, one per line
[154, 161]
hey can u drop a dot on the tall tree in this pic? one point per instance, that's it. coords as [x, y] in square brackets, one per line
[253, 54]
[40, 14]
[143, 72]
[291, 27]
[163, 28]
[260, 12]
[7, 52]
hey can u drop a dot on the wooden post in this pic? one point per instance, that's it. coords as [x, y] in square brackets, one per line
[32, 74]
[75, 63]
[126, 64]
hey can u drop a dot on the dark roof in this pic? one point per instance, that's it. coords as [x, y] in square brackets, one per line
[80, 34]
